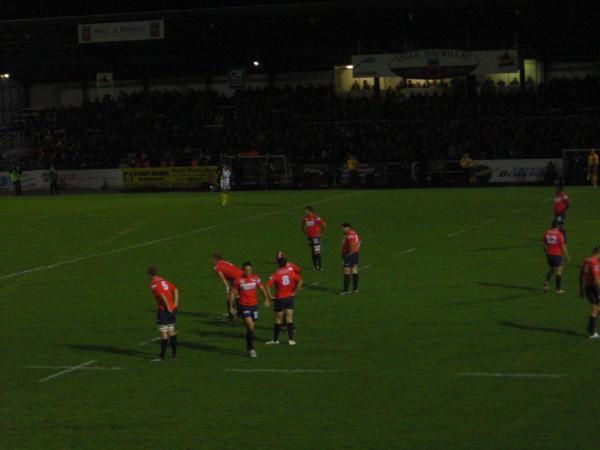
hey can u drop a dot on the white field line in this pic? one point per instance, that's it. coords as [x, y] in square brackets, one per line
[150, 341]
[487, 222]
[451, 235]
[515, 211]
[406, 252]
[70, 369]
[169, 238]
[366, 267]
[276, 370]
[509, 375]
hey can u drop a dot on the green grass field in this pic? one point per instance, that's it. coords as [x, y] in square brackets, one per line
[377, 370]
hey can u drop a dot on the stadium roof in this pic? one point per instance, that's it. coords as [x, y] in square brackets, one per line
[40, 43]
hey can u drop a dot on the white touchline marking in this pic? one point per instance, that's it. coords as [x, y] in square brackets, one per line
[487, 222]
[509, 375]
[70, 369]
[451, 235]
[150, 341]
[405, 252]
[169, 238]
[276, 370]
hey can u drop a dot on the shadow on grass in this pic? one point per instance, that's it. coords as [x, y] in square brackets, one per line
[504, 298]
[511, 286]
[543, 329]
[507, 247]
[211, 348]
[312, 287]
[111, 349]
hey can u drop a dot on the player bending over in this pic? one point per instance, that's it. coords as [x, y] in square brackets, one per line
[227, 273]
[350, 247]
[311, 225]
[245, 288]
[286, 283]
[589, 286]
[167, 300]
[555, 248]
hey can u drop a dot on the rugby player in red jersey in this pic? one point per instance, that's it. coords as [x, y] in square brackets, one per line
[290, 265]
[555, 248]
[589, 286]
[286, 283]
[561, 204]
[245, 288]
[350, 247]
[227, 272]
[167, 300]
[311, 225]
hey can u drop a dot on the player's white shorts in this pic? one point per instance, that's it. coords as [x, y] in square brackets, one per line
[225, 185]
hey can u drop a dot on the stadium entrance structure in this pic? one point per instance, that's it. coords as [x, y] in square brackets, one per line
[261, 171]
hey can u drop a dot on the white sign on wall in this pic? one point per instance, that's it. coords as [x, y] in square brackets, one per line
[435, 63]
[121, 31]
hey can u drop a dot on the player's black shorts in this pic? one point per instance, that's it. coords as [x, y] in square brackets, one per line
[592, 293]
[313, 241]
[281, 304]
[247, 311]
[350, 261]
[554, 261]
[164, 317]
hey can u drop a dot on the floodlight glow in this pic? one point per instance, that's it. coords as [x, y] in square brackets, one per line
[5, 75]
[256, 63]
[350, 67]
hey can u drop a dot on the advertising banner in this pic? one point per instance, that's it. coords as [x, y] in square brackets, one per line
[105, 84]
[435, 63]
[169, 177]
[90, 179]
[497, 171]
[121, 31]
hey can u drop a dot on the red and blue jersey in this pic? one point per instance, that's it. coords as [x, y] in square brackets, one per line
[163, 288]
[553, 242]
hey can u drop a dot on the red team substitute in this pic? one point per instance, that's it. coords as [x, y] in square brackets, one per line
[245, 288]
[311, 225]
[555, 248]
[286, 282]
[227, 273]
[167, 300]
[589, 286]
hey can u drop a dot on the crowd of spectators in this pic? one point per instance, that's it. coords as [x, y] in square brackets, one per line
[314, 124]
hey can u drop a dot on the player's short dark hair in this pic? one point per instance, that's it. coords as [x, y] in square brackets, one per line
[281, 262]
[346, 225]
[152, 270]
[246, 264]
[217, 256]
[310, 208]
[555, 223]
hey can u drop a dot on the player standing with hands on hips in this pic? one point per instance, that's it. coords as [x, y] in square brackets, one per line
[350, 247]
[167, 300]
